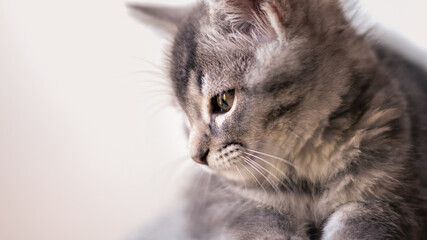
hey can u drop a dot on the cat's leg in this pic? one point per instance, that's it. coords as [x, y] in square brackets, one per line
[363, 221]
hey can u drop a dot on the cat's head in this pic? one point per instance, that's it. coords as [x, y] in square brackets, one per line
[259, 81]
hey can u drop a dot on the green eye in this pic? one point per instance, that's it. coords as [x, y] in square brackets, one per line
[223, 102]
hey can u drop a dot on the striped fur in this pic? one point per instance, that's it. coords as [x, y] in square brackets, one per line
[327, 135]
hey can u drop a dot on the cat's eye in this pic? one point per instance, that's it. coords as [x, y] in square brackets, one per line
[223, 102]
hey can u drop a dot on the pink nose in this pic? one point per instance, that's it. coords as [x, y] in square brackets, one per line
[201, 157]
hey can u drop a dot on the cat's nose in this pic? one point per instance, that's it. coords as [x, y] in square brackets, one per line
[201, 157]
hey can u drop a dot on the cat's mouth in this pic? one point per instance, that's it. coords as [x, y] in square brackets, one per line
[240, 164]
[233, 163]
[227, 156]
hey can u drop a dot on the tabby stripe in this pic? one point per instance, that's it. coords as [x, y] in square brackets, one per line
[277, 84]
[200, 81]
[279, 111]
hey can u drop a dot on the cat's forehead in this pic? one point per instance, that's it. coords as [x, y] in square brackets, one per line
[205, 58]
[215, 61]
[222, 67]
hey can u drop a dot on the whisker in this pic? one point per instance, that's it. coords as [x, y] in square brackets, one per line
[243, 179]
[292, 132]
[153, 93]
[283, 174]
[148, 62]
[272, 156]
[159, 75]
[250, 162]
[154, 87]
[256, 179]
[152, 100]
[159, 89]
[275, 167]
[143, 82]
[160, 108]
[156, 73]
[265, 161]
[158, 94]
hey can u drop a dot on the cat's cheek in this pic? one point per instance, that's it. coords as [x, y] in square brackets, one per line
[219, 120]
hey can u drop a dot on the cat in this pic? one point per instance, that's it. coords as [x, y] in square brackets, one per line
[310, 129]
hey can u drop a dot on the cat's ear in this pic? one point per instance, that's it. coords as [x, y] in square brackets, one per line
[164, 18]
[263, 19]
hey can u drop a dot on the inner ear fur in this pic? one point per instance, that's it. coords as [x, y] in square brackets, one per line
[264, 19]
[277, 19]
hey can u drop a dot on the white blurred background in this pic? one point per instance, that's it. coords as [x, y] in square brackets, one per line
[88, 149]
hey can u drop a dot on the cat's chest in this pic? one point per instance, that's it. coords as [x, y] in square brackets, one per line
[228, 204]
[219, 209]
[228, 215]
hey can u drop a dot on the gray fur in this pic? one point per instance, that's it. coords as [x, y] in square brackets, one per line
[162, 18]
[327, 136]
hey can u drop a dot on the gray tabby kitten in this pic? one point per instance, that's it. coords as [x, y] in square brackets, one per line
[311, 131]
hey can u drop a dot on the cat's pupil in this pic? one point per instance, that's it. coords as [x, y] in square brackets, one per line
[223, 102]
